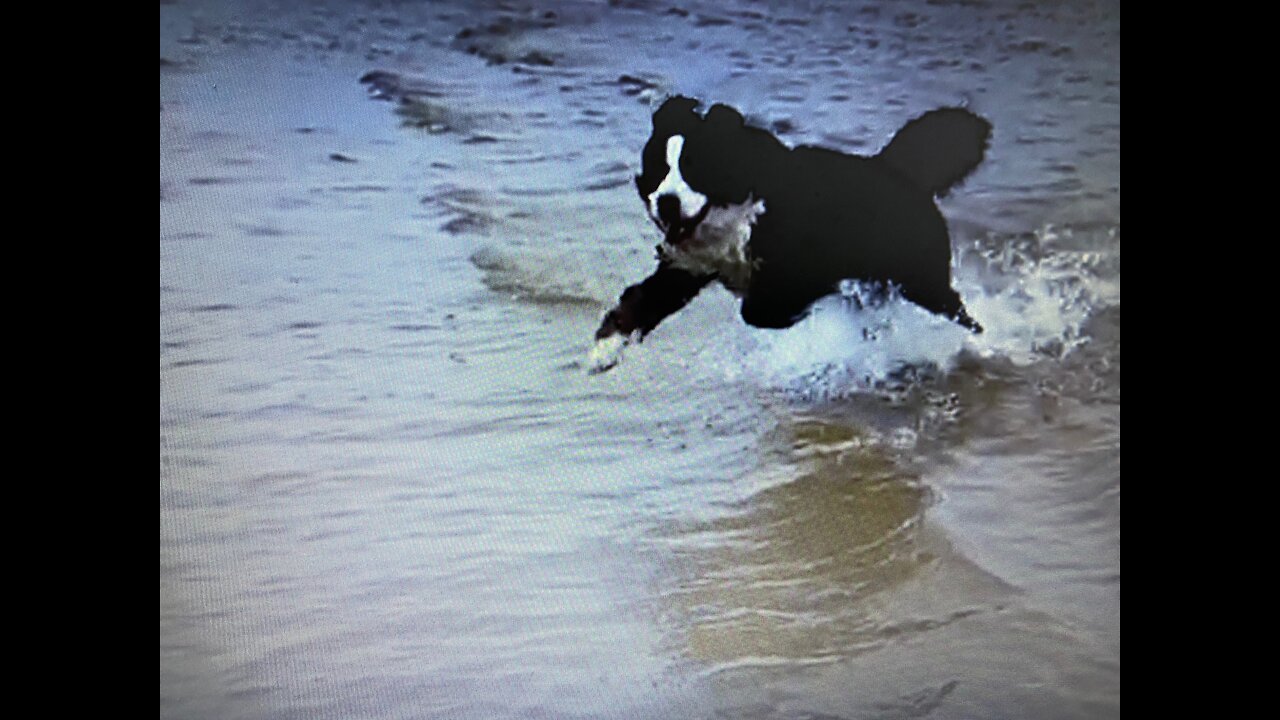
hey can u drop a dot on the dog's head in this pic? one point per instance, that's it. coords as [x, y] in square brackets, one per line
[694, 162]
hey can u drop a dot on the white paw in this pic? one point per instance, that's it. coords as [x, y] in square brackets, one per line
[606, 353]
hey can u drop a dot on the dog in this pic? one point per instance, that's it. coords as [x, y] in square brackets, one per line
[781, 227]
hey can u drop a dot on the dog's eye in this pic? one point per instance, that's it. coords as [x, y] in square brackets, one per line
[694, 166]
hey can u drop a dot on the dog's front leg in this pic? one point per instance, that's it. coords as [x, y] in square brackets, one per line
[640, 309]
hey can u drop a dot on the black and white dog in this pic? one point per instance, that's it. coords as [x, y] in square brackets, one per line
[782, 227]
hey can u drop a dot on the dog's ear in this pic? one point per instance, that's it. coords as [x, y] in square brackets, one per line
[674, 110]
[724, 116]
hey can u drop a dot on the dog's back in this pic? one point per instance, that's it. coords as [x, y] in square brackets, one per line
[834, 216]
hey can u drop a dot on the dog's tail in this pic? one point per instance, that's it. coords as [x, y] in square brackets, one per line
[938, 149]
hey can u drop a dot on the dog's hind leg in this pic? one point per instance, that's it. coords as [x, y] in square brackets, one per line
[640, 309]
[945, 302]
[962, 317]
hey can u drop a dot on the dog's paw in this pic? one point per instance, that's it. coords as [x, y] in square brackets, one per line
[606, 353]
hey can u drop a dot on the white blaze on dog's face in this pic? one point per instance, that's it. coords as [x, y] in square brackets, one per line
[691, 201]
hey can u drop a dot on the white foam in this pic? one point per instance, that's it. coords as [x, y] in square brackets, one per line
[846, 347]
[1033, 302]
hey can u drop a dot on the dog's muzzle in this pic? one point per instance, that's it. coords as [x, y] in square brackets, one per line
[677, 227]
[668, 210]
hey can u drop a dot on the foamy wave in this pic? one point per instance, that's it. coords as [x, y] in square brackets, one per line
[1035, 293]
[845, 345]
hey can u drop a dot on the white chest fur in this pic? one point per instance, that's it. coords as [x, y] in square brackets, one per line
[719, 245]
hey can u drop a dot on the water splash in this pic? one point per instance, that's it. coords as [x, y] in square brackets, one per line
[1033, 293]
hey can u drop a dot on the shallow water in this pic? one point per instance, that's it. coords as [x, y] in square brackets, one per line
[388, 488]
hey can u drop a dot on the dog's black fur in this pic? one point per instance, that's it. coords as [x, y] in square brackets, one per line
[827, 217]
